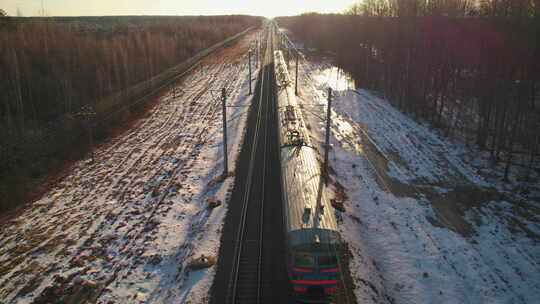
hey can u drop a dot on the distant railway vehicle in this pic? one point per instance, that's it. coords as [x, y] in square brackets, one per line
[313, 240]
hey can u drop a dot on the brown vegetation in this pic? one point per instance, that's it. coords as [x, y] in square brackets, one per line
[471, 68]
[51, 69]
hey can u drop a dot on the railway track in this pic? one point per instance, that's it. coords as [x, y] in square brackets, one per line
[252, 263]
[245, 284]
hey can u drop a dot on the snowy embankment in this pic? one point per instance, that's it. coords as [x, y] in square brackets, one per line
[124, 228]
[424, 224]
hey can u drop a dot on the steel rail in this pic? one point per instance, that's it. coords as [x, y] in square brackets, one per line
[261, 222]
[245, 202]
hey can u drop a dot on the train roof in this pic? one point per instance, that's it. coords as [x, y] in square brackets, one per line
[309, 216]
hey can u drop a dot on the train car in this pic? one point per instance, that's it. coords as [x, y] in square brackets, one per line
[313, 240]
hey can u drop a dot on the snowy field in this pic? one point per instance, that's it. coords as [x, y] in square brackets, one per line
[123, 229]
[426, 220]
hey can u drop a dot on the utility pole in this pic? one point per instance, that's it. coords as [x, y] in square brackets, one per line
[296, 76]
[261, 56]
[250, 72]
[327, 141]
[224, 106]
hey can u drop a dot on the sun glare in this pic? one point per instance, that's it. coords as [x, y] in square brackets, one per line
[269, 9]
[288, 8]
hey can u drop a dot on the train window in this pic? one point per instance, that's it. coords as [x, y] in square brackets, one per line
[327, 260]
[304, 260]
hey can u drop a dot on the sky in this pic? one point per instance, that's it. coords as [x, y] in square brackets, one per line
[267, 8]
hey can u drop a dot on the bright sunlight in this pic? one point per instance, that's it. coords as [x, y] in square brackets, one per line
[268, 9]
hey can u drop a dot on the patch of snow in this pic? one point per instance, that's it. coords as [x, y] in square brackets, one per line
[399, 254]
[133, 220]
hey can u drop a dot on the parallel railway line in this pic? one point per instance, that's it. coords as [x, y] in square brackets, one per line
[117, 171]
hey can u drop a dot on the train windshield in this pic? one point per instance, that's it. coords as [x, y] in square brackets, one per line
[304, 260]
[310, 261]
[327, 260]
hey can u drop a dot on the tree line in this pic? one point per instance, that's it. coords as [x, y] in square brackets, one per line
[471, 68]
[448, 8]
[50, 69]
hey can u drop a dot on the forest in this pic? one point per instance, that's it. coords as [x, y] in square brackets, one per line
[469, 68]
[56, 74]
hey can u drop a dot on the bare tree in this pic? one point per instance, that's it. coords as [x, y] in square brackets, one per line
[476, 78]
[49, 69]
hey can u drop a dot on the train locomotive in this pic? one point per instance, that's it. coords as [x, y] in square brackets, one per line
[312, 236]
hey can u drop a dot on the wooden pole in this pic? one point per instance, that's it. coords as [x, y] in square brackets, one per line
[224, 106]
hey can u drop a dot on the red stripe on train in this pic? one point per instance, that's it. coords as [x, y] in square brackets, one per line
[302, 270]
[330, 270]
[304, 289]
[307, 282]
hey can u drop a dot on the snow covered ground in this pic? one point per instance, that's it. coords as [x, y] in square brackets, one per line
[124, 229]
[426, 220]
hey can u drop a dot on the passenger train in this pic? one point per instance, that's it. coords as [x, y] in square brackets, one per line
[313, 241]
